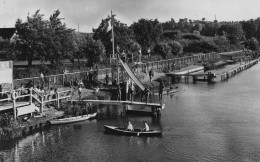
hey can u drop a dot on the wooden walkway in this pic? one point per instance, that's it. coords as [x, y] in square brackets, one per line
[158, 105]
[9, 105]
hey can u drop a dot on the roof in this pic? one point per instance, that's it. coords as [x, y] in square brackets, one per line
[232, 53]
[7, 33]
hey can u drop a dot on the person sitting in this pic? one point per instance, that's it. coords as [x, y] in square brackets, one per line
[130, 126]
[146, 126]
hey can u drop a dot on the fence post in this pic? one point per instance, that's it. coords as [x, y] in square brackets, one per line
[42, 104]
[14, 104]
[63, 78]
[30, 101]
[58, 100]
[49, 81]
[54, 79]
[33, 82]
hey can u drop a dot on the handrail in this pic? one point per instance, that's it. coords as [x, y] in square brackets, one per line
[6, 99]
[6, 92]
[36, 99]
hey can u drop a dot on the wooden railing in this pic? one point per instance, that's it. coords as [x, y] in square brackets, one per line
[61, 79]
[35, 97]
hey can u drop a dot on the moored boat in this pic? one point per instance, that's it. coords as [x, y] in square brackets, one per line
[135, 132]
[73, 119]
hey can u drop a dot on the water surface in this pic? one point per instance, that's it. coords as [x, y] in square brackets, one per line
[219, 122]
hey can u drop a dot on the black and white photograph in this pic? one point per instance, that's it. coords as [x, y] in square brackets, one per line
[129, 81]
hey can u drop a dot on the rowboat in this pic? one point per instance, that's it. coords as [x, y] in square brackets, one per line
[135, 132]
[73, 119]
[167, 92]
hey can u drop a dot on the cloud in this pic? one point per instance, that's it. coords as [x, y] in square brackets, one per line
[89, 13]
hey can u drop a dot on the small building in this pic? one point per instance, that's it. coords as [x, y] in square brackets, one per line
[7, 33]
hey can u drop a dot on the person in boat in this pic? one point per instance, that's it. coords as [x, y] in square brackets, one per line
[130, 126]
[146, 126]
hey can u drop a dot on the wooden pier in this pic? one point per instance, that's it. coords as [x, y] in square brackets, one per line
[114, 102]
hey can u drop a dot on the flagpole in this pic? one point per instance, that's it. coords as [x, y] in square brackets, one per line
[113, 42]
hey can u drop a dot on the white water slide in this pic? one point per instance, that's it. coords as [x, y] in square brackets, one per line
[132, 75]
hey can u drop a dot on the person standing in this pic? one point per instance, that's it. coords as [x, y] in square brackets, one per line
[161, 87]
[151, 74]
[146, 94]
[80, 91]
[127, 87]
[42, 77]
[118, 93]
[107, 79]
[130, 91]
[114, 81]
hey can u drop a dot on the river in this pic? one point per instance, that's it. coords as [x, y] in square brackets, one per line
[202, 122]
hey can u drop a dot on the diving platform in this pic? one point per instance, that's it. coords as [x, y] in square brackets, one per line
[114, 102]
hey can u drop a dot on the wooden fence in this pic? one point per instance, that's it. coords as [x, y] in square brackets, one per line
[100, 74]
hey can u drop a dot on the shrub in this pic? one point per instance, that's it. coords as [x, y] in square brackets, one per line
[191, 37]
[173, 35]
[5, 120]
[200, 46]
[162, 49]
[176, 47]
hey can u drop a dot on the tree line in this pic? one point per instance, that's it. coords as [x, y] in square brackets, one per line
[51, 40]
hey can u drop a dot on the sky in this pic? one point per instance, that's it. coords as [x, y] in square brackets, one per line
[87, 14]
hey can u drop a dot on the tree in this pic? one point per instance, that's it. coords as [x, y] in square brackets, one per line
[184, 26]
[59, 42]
[94, 51]
[249, 27]
[79, 43]
[28, 39]
[210, 30]
[234, 31]
[122, 34]
[169, 25]
[45, 40]
[252, 44]
[147, 33]
[222, 43]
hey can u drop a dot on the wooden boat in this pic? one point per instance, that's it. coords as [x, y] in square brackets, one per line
[73, 119]
[135, 132]
[168, 91]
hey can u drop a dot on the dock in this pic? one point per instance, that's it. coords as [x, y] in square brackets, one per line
[114, 102]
